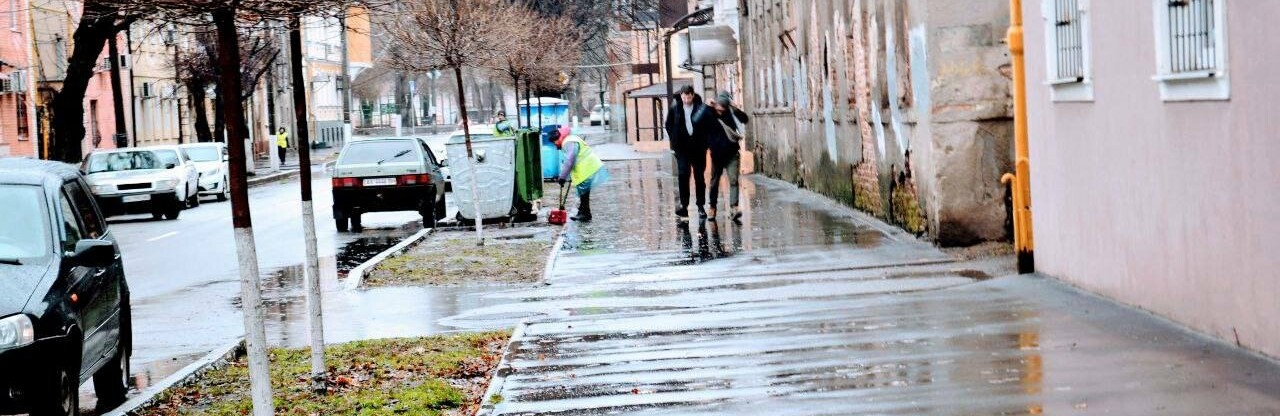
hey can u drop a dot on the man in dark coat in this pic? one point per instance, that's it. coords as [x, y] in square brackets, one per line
[687, 131]
[726, 132]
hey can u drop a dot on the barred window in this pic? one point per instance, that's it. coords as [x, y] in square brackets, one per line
[1191, 50]
[1069, 47]
[1191, 36]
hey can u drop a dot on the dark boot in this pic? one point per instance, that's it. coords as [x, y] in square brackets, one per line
[584, 208]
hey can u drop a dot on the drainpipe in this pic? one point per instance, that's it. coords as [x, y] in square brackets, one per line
[1020, 180]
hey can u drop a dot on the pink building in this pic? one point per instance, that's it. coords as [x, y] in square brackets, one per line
[50, 45]
[17, 115]
[1154, 147]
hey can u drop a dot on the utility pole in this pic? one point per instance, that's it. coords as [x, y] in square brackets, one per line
[117, 94]
[315, 317]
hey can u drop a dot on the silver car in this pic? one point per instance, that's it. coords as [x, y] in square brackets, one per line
[161, 181]
[211, 163]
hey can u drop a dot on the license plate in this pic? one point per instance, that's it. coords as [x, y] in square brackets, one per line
[380, 182]
[135, 198]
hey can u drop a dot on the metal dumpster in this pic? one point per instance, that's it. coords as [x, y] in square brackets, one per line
[494, 171]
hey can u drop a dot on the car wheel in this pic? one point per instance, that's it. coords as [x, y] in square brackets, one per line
[111, 383]
[355, 222]
[340, 220]
[173, 211]
[62, 395]
[194, 200]
[157, 213]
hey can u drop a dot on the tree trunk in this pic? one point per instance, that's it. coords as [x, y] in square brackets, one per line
[229, 87]
[117, 93]
[402, 95]
[515, 81]
[466, 135]
[68, 103]
[219, 115]
[315, 317]
[199, 111]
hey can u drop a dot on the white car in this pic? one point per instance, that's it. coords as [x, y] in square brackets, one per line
[161, 181]
[599, 115]
[211, 164]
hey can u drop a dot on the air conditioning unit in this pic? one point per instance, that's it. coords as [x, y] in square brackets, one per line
[6, 85]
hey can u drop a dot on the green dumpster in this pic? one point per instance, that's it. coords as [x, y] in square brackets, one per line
[528, 172]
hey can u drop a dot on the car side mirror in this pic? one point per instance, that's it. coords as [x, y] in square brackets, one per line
[170, 166]
[94, 253]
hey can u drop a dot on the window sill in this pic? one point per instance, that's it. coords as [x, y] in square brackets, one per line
[1068, 92]
[1065, 81]
[1194, 86]
[1186, 76]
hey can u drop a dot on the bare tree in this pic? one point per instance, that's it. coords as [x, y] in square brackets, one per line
[453, 35]
[197, 68]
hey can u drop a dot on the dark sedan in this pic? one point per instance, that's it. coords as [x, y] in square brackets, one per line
[64, 302]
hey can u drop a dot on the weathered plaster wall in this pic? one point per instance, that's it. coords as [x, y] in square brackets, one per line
[899, 108]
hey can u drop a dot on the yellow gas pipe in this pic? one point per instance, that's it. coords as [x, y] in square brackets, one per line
[1020, 180]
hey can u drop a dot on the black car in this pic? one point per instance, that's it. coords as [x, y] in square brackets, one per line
[379, 175]
[64, 302]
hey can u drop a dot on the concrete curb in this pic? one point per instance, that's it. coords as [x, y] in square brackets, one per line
[555, 253]
[272, 178]
[356, 276]
[186, 376]
[500, 373]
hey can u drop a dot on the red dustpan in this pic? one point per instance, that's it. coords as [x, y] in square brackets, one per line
[560, 216]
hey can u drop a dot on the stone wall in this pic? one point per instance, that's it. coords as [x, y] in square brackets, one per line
[898, 108]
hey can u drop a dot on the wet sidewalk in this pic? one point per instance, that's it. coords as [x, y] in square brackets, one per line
[810, 308]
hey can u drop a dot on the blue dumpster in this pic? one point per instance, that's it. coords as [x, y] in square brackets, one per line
[550, 153]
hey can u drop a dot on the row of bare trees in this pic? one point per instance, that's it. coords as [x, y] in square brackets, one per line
[534, 42]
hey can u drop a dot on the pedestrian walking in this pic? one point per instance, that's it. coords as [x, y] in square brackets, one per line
[687, 133]
[580, 167]
[282, 144]
[725, 147]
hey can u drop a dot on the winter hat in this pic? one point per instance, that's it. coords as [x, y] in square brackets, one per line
[564, 134]
[724, 99]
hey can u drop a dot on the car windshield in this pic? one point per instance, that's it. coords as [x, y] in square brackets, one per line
[118, 161]
[380, 151]
[204, 154]
[167, 157]
[24, 229]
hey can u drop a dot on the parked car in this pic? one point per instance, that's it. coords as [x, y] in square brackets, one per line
[161, 181]
[211, 165]
[435, 144]
[599, 115]
[380, 175]
[64, 301]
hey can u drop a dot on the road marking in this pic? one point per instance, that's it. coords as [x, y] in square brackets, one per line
[163, 236]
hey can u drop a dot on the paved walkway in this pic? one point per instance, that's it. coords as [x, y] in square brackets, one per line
[810, 308]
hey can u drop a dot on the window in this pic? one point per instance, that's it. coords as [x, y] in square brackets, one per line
[1191, 50]
[21, 120]
[88, 215]
[71, 232]
[1068, 49]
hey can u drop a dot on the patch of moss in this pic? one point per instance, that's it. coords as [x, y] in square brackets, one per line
[906, 210]
[415, 376]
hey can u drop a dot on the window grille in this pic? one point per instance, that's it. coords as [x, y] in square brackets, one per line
[1070, 40]
[1192, 36]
